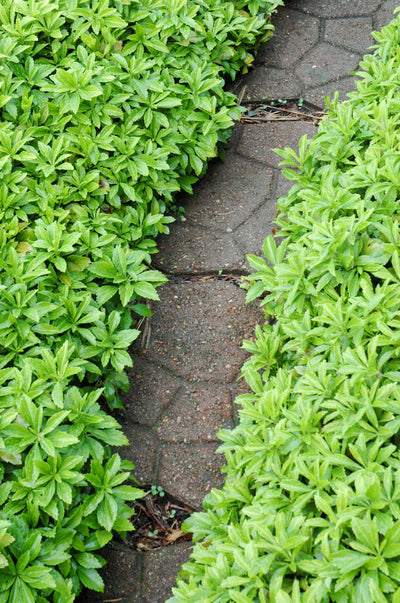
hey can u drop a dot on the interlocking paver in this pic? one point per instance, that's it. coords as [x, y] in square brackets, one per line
[258, 140]
[186, 250]
[385, 13]
[325, 63]
[197, 413]
[156, 589]
[354, 34]
[229, 194]
[189, 471]
[151, 390]
[252, 233]
[317, 95]
[282, 186]
[121, 575]
[337, 8]
[198, 328]
[142, 452]
[295, 33]
[269, 83]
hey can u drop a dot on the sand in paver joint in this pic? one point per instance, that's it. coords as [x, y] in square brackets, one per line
[184, 384]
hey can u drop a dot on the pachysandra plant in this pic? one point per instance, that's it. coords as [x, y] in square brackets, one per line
[310, 508]
[107, 109]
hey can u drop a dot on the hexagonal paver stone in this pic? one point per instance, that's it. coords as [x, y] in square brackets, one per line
[198, 328]
[282, 186]
[258, 140]
[326, 63]
[186, 250]
[337, 8]
[385, 14]
[141, 451]
[166, 563]
[295, 33]
[355, 34]
[251, 235]
[228, 195]
[151, 390]
[121, 577]
[316, 96]
[269, 83]
[189, 471]
[196, 414]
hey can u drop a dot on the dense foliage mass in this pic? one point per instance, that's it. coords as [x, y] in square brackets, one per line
[107, 108]
[310, 511]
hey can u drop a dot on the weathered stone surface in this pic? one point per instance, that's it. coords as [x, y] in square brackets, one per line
[151, 390]
[325, 63]
[198, 328]
[232, 190]
[269, 83]
[196, 414]
[235, 135]
[142, 451]
[385, 14]
[258, 140]
[186, 250]
[354, 34]
[316, 96]
[121, 577]
[338, 8]
[295, 33]
[189, 471]
[283, 185]
[252, 233]
[165, 563]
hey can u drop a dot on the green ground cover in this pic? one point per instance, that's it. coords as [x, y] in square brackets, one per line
[310, 509]
[107, 109]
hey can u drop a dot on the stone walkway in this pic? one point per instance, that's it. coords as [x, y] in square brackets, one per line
[185, 382]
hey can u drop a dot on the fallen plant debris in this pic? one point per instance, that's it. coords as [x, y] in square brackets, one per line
[282, 110]
[157, 521]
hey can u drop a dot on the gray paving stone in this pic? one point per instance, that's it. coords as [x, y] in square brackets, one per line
[326, 63]
[258, 140]
[186, 250]
[166, 563]
[355, 34]
[230, 145]
[142, 452]
[227, 196]
[385, 14]
[295, 33]
[269, 83]
[198, 328]
[151, 390]
[190, 471]
[121, 577]
[283, 186]
[316, 96]
[337, 8]
[197, 413]
[251, 234]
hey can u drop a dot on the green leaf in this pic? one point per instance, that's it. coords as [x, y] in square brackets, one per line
[91, 579]
[128, 492]
[143, 289]
[107, 512]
